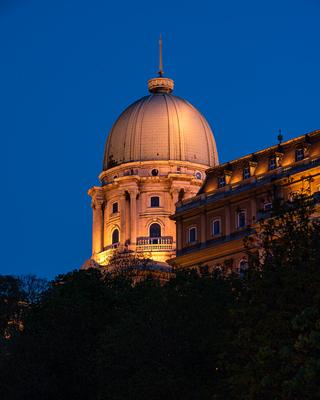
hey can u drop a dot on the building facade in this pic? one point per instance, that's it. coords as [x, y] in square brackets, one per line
[156, 153]
[235, 195]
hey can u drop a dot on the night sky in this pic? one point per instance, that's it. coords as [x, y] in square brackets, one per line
[68, 68]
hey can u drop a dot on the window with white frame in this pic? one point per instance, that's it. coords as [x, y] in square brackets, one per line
[216, 227]
[192, 234]
[246, 172]
[272, 163]
[299, 153]
[221, 181]
[241, 218]
[155, 201]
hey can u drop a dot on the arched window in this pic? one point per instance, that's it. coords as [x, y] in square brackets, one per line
[216, 227]
[155, 230]
[299, 153]
[241, 219]
[192, 236]
[115, 236]
[243, 268]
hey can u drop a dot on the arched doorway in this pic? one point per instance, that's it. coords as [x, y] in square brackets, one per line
[155, 233]
[115, 236]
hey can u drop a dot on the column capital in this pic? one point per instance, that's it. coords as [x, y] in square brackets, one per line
[97, 202]
[133, 193]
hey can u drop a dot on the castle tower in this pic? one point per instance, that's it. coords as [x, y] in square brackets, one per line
[156, 153]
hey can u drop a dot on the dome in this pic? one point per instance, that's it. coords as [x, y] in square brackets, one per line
[160, 127]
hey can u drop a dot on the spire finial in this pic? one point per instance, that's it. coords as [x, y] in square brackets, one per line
[160, 72]
[160, 84]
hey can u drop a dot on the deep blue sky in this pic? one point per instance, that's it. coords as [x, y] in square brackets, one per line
[69, 67]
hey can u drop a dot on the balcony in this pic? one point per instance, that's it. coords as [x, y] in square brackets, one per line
[113, 246]
[148, 244]
[236, 235]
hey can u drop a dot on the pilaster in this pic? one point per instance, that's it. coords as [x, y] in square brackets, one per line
[97, 222]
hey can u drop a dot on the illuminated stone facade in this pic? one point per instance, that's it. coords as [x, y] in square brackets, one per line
[235, 195]
[156, 153]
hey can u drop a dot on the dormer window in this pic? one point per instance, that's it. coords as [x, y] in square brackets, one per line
[115, 208]
[155, 201]
[221, 181]
[272, 163]
[275, 159]
[299, 153]
[225, 176]
[246, 172]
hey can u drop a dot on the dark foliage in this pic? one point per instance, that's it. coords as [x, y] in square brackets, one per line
[93, 336]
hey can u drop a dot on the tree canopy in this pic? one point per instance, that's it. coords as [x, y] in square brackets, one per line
[199, 336]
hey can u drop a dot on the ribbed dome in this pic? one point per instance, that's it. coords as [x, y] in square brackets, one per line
[160, 126]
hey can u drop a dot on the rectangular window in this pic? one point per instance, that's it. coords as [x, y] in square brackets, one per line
[221, 181]
[246, 172]
[216, 227]
[115, 208]
[299, 154]
[241, 219]
[267, 206]
[272, 163]
[155, 201]
[192, 235]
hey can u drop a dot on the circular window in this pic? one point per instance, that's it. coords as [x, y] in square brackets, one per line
[198, 175]
[154, 172]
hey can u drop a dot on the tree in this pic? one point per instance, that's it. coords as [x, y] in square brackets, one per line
[10, 305]
[198, 336]
[281, 287]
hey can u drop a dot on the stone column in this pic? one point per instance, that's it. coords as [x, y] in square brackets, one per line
[203, 227]
[133, 217]
[179, 234]
[123, 221]
[253, 210]
[174, 193]
[97, 225]
[228, 222]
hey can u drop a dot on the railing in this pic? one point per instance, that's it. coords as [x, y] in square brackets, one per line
[112, 246]
[236, 235]
[147, 243]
